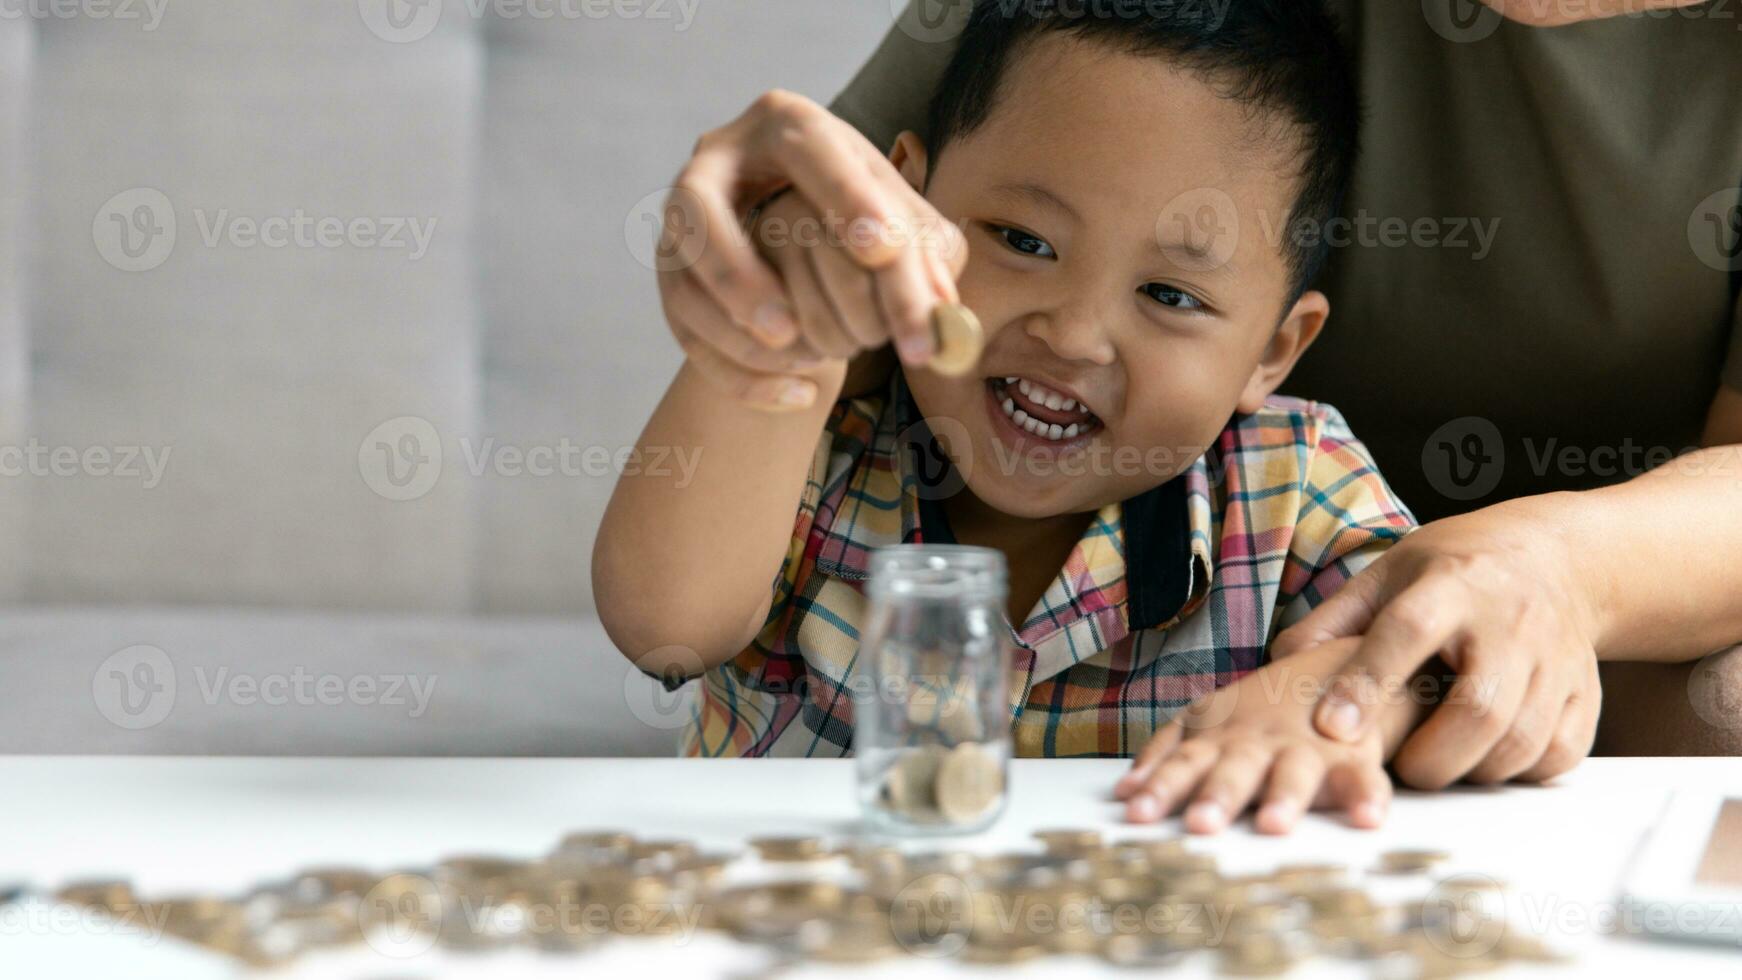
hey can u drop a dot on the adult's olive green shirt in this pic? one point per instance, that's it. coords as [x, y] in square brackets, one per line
[1586, 339]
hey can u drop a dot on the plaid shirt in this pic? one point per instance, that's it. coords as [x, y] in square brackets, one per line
[1165, 597]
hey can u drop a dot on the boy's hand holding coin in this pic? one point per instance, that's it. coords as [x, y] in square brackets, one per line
[848, 259]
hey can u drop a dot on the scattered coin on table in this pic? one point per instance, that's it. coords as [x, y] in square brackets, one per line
[1146, 903]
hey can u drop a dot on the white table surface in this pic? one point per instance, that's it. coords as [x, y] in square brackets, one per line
[177, 825]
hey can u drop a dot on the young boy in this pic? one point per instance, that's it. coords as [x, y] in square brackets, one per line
[1137, 191]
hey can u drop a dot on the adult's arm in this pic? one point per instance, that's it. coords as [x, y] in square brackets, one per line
[1536, 13]
[892, 91]
[1527, 596]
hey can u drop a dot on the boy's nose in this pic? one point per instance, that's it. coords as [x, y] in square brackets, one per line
[1073, 333]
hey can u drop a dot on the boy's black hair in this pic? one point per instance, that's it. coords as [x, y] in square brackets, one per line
[1281, 57]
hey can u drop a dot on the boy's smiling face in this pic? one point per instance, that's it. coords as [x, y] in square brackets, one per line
[1124, 224]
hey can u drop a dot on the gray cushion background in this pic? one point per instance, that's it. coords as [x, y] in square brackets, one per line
[530, 144]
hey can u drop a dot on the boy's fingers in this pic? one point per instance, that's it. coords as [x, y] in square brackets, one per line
[1412, 627]
[906, 296]
[702, 226]
[1361, 790]
[1172, 779]
[1155, 750]
[1228, 787]
[827, 161]
[697, 320]
[851, 293]
[773, 392]
[819, 323]
[1477, 712]
[1295, 779]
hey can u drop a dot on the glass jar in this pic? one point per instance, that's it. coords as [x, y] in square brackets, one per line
[932, 716]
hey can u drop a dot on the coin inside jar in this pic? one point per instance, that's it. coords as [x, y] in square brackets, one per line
[970, 783]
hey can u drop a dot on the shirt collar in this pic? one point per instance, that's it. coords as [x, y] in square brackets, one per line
[1165, 530]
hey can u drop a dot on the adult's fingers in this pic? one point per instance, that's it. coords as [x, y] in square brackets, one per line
[1539, 715]
[1575, 734]
[1408, 629]
[1347, 613]
[1476, 714]
[1295, 779]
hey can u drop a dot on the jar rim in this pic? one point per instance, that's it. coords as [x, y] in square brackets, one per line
[936, 571]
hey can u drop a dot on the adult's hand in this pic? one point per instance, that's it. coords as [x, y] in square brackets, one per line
[756, 312]
[1496, 595]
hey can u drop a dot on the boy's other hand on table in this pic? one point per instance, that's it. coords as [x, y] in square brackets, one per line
[1252, 743]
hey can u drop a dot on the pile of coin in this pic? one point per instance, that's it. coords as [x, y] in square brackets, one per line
[1143, 903]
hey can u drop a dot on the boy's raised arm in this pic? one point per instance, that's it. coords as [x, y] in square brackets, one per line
[684, 561]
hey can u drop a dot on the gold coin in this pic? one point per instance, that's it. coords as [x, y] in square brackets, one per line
[789, 848]
[911, 782]
[1258, 955]
[970, 783]
[1410, 861]
[1140, 951]
[959, 339]
[1069, 842]
[106, 895]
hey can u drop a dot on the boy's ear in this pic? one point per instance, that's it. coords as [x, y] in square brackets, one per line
[908, 155]
[1299, 328]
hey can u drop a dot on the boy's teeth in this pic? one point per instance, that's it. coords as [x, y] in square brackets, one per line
[1035, 427]
[1040, 395]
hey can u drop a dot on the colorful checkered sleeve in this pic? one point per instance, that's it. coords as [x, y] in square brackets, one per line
[1348, 518]
[746, 703]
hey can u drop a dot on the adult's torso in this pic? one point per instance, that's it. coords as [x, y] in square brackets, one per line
[1598, 316]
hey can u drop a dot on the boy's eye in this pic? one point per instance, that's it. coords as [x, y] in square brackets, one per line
[1023, 242]
[1169, 296]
